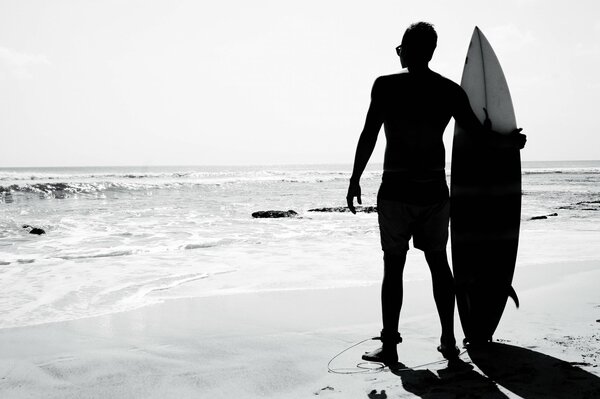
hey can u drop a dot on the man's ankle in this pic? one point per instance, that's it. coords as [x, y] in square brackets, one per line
[448, 341]
[391, 337]
[389, 347]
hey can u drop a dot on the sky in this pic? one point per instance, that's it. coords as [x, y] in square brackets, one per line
[234, 82]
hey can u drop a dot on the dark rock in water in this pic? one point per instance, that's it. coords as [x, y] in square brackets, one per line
[583, 206]
[34, 230]
[365, 209]
[543, 216]
[275, 214]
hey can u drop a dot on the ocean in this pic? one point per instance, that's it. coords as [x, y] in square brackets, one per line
[118, 238]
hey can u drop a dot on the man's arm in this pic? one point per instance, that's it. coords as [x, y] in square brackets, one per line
[466, 118]
[365, 147]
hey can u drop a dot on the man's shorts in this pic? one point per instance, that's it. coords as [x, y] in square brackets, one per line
[427, 224]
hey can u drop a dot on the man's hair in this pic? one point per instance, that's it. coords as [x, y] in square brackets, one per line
[421, 39]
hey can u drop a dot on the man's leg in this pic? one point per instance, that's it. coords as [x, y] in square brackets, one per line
[443, 293]
[392, 289]
[394, 223]
[391, 303]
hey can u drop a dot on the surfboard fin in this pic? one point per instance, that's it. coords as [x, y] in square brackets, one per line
[513, 295]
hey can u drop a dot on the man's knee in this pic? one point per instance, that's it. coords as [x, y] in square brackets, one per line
[393, 261]
[438, 264]
[395, 256]
[436, 256]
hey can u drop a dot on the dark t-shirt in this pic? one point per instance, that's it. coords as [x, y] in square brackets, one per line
[415, 109]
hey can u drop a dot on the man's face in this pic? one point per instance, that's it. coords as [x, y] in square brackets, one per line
[401, 51]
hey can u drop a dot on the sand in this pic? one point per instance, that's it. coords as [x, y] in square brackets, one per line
[278, 344]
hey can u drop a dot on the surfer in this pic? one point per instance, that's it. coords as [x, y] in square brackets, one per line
[415, 106]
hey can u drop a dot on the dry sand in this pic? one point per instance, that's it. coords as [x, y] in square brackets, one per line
[278, 344]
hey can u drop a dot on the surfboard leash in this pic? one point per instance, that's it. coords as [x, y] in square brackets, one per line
[360, 368]
[373, 367]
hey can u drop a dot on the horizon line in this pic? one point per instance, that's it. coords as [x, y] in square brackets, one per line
[251, 165]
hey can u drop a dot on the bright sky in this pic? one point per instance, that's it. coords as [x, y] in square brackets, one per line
[184, 82]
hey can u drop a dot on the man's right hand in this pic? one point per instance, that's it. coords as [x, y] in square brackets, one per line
[353, 191]
[518, 138]
[514, 139]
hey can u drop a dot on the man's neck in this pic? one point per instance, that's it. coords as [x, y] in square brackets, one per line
[419, 68]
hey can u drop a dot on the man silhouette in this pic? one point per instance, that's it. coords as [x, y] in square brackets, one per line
[415, 106]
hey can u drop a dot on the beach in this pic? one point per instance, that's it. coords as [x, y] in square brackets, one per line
[178, 183]
[159, 283]
[278, 344]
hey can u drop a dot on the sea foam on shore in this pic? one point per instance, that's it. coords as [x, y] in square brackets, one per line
[121, 238]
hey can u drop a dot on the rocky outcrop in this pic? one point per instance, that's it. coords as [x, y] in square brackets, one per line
[34, 230]
[583, 206]
[275, 214]
[365, 209]
[542, 217]
[291, 213]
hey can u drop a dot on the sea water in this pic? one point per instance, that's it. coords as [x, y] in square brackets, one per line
[118, 238]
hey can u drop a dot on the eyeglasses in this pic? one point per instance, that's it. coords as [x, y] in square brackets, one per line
[398, 49]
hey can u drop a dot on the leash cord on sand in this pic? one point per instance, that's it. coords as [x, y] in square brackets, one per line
[360, 368]
[372, 367]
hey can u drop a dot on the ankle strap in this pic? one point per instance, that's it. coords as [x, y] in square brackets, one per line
[392, 338]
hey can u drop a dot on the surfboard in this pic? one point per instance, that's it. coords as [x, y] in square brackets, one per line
[485, 186]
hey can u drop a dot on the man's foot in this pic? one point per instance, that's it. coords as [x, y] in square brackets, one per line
[387, 354]
[389, 357]
[450, 352]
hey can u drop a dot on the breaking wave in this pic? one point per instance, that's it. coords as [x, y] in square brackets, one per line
[63, 185]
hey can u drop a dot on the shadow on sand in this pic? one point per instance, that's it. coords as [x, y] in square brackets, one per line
[457, 381]
[533, 375]
[526, 373]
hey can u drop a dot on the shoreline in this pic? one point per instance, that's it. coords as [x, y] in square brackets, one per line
[278, 343]
[526, 281]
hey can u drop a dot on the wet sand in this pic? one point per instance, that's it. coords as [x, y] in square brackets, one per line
[278, 344]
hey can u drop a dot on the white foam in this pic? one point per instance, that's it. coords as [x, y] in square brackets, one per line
[168, 233]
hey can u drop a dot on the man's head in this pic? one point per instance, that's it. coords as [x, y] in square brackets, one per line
[418, 43]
